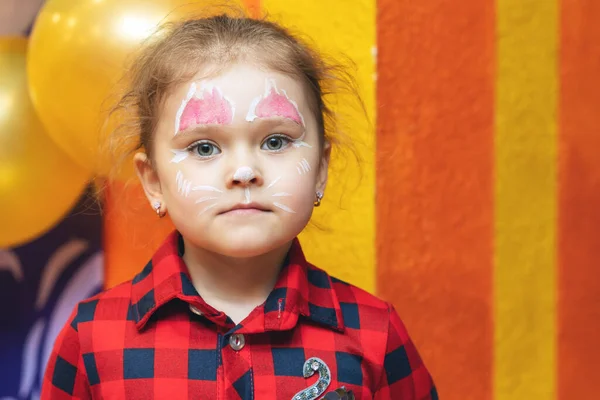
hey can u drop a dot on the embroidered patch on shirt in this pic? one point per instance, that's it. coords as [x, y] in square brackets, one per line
[311, 366]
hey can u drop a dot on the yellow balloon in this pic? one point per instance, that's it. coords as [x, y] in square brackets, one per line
[78, 52]
[39, 183]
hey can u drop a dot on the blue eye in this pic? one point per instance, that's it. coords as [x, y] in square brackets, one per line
[204, 149]
[276, 142]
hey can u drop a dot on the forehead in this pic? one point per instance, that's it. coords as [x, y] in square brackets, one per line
[241, 84]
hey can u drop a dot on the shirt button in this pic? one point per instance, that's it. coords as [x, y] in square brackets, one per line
[237, 341]
[195, 310]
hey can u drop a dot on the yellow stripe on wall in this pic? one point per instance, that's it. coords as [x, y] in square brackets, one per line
[344, 245]
[525, 195]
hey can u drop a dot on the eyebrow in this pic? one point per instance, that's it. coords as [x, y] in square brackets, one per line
[282, 114]
[197, 130]
[271, 122]
[278, 120]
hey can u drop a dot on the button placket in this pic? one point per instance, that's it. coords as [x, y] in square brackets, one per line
[237, 364]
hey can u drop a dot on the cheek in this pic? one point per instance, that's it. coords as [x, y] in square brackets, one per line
[185, 182]
[292, 182]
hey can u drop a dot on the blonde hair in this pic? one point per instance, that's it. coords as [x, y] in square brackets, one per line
[178, 50]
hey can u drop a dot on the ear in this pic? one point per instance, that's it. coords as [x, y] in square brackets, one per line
[324, 168]
[148, 178]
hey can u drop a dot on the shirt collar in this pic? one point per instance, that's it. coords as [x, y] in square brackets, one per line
[301, 290]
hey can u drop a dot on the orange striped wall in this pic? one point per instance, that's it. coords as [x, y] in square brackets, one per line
[485, 192]
[579, 201]
[525, 148]
[434, 182]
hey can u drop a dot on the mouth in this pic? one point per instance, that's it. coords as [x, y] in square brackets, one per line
[250, 208]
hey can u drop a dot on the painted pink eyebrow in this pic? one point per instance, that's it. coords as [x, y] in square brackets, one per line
[275, 104]
[210, 108]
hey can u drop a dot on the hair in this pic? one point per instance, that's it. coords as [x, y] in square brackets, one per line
[179, 50]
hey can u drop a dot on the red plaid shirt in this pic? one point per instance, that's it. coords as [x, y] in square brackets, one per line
[154, 337]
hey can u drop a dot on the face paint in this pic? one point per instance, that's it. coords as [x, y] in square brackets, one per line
[300, 142]
[243, 174]
[179, 156]
[274, 182]
[207, 198]
[303, 167]
[284, 208]
[183, 185]
[207, 208]
[204, 199]
[274, 103]
[206, 189]
[211, 107]
[184, 102]
[281, 194]
[270, 180]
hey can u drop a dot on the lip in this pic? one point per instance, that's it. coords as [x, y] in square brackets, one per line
[246, 209]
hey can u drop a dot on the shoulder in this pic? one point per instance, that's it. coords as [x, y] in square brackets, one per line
[360, 309]
[72, 355]
[349, 293]
[109, 305]
[364, 316]
[388, 345]
[100, 321]
[360, 314]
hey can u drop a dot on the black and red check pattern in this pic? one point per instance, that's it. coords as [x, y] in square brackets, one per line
[142, 340]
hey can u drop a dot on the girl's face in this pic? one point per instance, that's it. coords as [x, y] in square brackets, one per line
[237, 161]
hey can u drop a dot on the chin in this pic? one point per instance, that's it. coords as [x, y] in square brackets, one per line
[245, 242]
[246, 247]
[239, 240]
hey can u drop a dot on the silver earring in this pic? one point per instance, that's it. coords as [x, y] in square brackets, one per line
[157, 206]
[319, 196]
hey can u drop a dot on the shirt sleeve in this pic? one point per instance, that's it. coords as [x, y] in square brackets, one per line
[404, 375]
[65, 376]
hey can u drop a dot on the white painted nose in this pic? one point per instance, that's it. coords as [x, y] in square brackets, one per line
[244, 175]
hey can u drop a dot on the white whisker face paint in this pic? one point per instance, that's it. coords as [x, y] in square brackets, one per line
[179, 155]
[282, 194]
[205, 199]
[274, 182]
[206, 188]
[207, 208]
[284, 208]
[303, 167]
[274, 103]
[247, 195]
[208, 108]
[183, 185]
[300, 142]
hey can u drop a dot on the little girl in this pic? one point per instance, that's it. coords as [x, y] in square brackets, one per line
[233, 146]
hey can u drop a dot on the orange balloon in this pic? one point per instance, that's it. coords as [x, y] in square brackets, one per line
[78, 52]
[39, 183]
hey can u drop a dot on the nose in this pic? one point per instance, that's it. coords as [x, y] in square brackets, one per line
[245, 176]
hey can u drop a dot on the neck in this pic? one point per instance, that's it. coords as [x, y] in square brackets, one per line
[233, 285]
